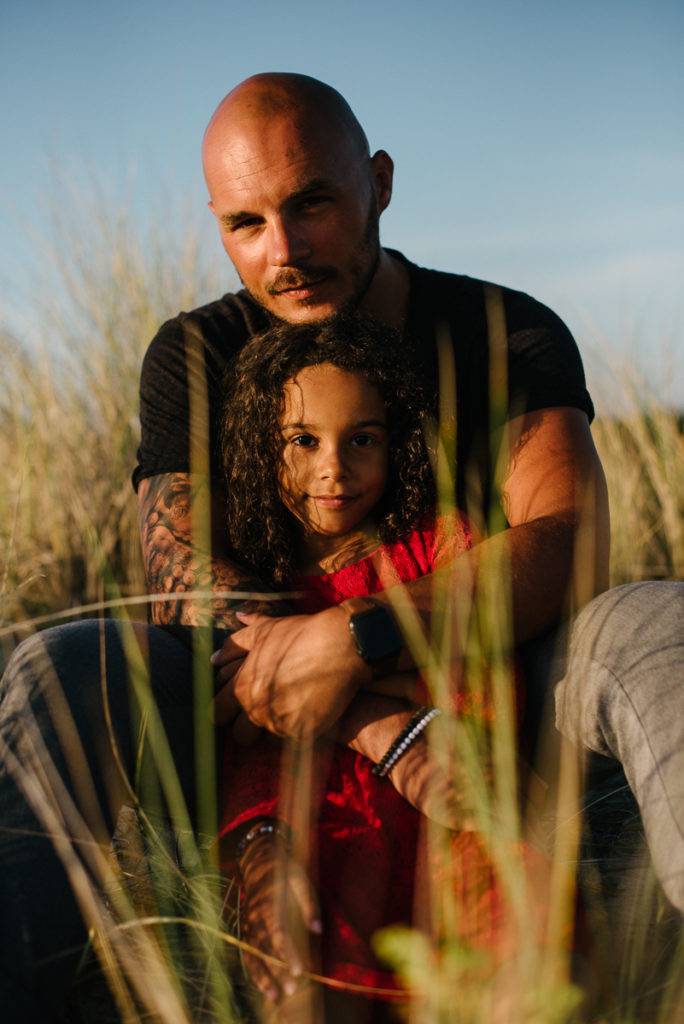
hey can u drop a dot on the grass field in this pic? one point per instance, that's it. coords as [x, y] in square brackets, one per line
[68, 537]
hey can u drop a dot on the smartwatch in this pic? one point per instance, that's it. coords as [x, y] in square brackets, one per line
[377, 637]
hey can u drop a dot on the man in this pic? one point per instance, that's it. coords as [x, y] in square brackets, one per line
[297, 197]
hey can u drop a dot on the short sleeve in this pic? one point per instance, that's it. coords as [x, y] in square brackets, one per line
[187, 360]
[544, 364]
[164, 409]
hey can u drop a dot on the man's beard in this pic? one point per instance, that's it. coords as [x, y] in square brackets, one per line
[364, 264]
[366, 258]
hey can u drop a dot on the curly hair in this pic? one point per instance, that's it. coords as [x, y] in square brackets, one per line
[261, 530]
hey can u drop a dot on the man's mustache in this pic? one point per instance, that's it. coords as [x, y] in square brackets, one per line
[299, 278]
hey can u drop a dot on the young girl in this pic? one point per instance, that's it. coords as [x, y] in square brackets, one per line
[331, 494]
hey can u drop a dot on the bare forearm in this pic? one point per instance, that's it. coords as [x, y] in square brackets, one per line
[180, 568]
[535, 567]
[371, 723]
[199, 591]
[532, 570]
[439, 791]
[404, 686]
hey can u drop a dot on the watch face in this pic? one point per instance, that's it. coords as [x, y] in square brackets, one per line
[376, 633]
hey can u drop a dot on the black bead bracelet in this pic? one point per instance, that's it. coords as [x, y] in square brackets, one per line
[417, 723]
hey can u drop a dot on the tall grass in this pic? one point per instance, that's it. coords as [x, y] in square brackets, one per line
[642, 450]
[69, 420]
[69, 407]
[68, 537]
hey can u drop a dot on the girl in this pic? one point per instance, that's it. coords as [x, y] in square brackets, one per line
[331, 494]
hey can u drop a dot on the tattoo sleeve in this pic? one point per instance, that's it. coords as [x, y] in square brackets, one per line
[192, 580]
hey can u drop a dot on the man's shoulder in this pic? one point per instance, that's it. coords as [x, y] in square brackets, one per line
[464, 296]
[544, 363]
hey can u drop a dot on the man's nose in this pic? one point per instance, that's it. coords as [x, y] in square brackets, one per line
[288, 244]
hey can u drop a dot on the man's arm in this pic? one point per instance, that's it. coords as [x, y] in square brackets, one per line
[554, 558]
[177, 510]
[301, 674]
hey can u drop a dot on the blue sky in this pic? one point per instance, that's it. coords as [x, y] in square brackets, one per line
[537, 144]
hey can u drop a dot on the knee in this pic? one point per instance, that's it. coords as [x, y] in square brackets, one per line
[617, 603]
[67, 653]
[27, 653]
[628, 621]
[626, 646]
[636, 598]
[25, 666]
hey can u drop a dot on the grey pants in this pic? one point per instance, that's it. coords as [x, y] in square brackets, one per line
[621, 695]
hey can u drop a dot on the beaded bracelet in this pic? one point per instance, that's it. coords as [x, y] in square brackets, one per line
[417, 723]
[267, 827]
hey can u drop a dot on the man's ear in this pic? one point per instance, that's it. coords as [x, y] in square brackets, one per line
[382, 172]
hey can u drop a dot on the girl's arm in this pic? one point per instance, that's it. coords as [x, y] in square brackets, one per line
[370, 725]
[405, 686]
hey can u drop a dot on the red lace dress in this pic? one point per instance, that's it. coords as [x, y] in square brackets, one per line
[367, 838]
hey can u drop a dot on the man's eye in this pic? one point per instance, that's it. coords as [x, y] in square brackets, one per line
[310, 202]
[248, 222]
[303, 441]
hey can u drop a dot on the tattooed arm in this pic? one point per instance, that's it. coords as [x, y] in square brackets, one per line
[180, 558]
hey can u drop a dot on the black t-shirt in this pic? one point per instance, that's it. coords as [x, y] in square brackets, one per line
[536, 365]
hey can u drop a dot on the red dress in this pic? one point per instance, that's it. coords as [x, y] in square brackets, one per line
[367, 837]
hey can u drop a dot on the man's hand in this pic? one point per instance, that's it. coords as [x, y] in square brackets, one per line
[278, 915]
[294, 676]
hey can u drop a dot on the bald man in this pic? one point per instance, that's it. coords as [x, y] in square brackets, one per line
[297, 197]
[290, 146]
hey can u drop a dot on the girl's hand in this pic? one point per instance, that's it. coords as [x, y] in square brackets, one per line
[278, 915]
[428, 786]
[370, 725]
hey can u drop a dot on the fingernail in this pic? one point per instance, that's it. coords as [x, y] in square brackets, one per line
[316, 926]
[241, 615]
[214, 658]
[290, 987]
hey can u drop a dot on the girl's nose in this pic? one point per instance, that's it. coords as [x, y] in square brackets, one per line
[332, 465]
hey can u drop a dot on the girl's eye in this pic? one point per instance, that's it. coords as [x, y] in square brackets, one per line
[363, 440]
[303, 441]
